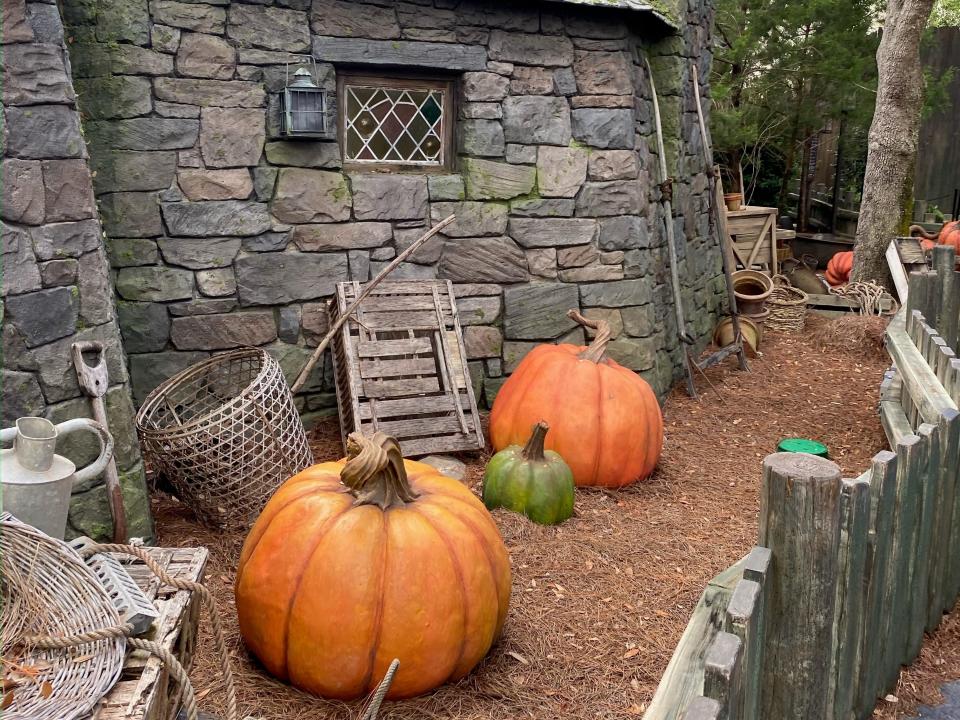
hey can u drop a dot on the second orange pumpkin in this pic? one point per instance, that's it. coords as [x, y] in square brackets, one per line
[839, 267]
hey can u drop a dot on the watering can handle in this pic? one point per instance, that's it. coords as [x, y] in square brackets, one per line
[8, 435]
[103, 436]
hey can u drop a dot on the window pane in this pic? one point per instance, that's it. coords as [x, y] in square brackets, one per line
[393, 124]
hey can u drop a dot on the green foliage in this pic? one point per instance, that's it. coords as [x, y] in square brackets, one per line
[946, 13]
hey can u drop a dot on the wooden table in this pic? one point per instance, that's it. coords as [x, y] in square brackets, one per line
[753, 236]
[143, 691]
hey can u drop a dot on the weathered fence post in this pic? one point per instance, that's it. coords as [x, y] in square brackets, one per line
[800, 523]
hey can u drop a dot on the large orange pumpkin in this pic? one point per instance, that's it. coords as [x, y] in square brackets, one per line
[950, 235]
[839, 267]
[604, 418]
[357, 562]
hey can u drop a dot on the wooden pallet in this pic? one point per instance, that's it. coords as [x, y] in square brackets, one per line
[753, 237]
[144, 690]
[401, 368]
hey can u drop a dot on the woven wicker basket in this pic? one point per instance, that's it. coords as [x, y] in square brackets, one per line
[787, 305]
[225, 434]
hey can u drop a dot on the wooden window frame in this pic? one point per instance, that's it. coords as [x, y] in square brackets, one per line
[401, 80]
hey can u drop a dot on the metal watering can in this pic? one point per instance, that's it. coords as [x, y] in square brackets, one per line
[35, 483]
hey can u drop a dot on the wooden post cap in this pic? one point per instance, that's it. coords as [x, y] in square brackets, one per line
[802, 466]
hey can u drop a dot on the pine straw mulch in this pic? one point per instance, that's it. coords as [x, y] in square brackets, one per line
[600, 602]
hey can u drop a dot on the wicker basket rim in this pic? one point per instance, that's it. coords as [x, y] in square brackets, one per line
[800, 297]
[238, 403]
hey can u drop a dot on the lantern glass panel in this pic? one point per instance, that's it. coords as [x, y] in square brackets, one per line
[306, 111]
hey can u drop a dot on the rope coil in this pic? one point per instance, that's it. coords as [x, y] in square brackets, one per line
[869, 296]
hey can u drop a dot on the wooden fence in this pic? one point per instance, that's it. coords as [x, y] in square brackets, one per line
[817, 620]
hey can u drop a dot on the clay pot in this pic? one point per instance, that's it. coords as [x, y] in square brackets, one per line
[733, 201]
[802, 274]
[752, 334]
[751, 288]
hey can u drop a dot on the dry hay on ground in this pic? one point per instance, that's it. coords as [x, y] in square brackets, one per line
[851, 333]
[600, 602]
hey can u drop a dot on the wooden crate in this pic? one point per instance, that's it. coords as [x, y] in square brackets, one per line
[753, 236]
[401, 368]
[144, 690]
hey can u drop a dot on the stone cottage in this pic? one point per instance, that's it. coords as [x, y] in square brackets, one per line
[230, 207]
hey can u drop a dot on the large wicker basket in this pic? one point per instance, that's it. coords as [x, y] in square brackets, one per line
[225, 434]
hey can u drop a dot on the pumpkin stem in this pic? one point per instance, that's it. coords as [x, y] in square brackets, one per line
[533, 450]
[375, 473]
[595, 351]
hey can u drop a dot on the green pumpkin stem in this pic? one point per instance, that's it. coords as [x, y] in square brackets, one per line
[375, 473]
[598, 347]
[533, 450]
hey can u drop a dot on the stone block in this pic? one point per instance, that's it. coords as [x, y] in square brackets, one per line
[389, 197]
[564, 82]
[20, 272]
[488, 259]
[216, 217]
[288, 323]
[521, 154]
[542, 262]
[401, 53]
[70, 239]
[164, 38]
[426, 254]
[44, 131]
[552, 232]
[264, 180]
[624, 232]
[223, 332]
[199, 253]
[272, 28]
[577, 256]
[542, 207]
[621, 293]
[131, 252]
[531, 81]
[606, 199]
[68, 190]
[474, 219]
[215, 184]
[16, 24]
[339, 18]
[143, 134]
[123, 171]
[488, 180]
[34, 73]
[154, 284]
[311, 196]
[96, 291]
[604, 128]
[596, 26]
[639, 321]
[217, 283]
[267, 242]
[57, 273]
[612, 317]
[206, 56]
[482, 341]
[342, 236]
[43, 316]
[603, 73]
[131, 214]
[148, 370]
[591, 273]
[536, 120]
[635, 354]
[55, 370]
[22, 191]
[561, 171]
[538, 311]
[189, 16]
[613, 165]
[21, 396]
[481, 138]
[479, 310]
[118, 96]
[207, 93]
[231, 137]
[145, 327]
[315, 322]
[281, 278]
[484, 87]
[446, 187]
[481, 111]
[530, 49]
[406, 271]
[615, 257]
[602, 101]
[304, 154]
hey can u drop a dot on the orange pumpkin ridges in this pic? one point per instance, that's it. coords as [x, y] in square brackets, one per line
[839, 267]
[605, 419]
[354, 563]
[950, 235]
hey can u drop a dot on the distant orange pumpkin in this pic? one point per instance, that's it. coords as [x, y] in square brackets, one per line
[950, 235]
[839, 267]
[357, 562]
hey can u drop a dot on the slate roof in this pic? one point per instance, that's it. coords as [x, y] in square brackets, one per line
[636, 5]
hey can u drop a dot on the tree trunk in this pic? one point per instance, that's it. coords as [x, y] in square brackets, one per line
[892, 145]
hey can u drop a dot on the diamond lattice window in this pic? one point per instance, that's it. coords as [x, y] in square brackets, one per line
[396, 122]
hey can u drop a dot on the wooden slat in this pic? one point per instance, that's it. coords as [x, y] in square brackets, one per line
[400, 287]
[946, 466]
[897, 272]
[756, 568]
[743, 620]
[894, 420]
[439, 444]
[918, 379]
[702, 708]
[722, 673]
[950, 448]
[404, 407]
[392, 348]
[400, 388]
[397, 368]
[400, 320]
[417, 427]
[400, 303]
[459, 361]
[927, 491]
[835, 301]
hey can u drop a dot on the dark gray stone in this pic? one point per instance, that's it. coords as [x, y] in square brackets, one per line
[315, 196]
[44, 131]
[45, 315]
[389, 197]
[342, 236]
[603, 73]
[117, 96]
[406, 271]
[131, 214]
[23, 193]
[538, 311]
[311, 154]
[359, 262]
[219, 282]
[536, 120]
[35, 74]
[446, 187]
[145, 326]
[496, 260]
[606, 199]
[69, 239]
[339, 18]
[154, 284]
[202, 306]
[288, 323]
[625, 232]
[130, 252]
[68, 193]
[143, 133]
[123, 171]
[210, 93]
[206, 56]
[20, 272]
[531, 81]
[199, 253]
[267, 242]
[269, 27]
[561, 171]
[591, 273]
[426, 254]
[449, 56]
[46, 23]
[639, 321]
[123, 22]
[613, 165]
[264, 180]
[488, 180]
[552, 232]
[231, 137]
[481, 111]
[223, 332]
[484, 87]
[134, 60]
[164, 38]
[21, 396]
[479, 310]
[482, 341]
[530, 49]
[564, 81]
[542, 207]
[149, 370]
[280, 278]
[57, 273]
[622, 293]
[474, 219]
[55, 370]
[482, 138]
[189, 16]
[96, 291]
[219, 217]
[521, 154]
[635, 354]
[604, 127]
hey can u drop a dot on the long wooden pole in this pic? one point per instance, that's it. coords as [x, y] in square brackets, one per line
[305, 373]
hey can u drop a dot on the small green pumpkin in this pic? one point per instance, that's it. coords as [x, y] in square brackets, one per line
[530, 481]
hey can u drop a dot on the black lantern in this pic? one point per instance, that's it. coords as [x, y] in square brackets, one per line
[304, 107]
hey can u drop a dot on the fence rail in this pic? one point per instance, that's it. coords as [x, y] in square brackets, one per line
[817, 620]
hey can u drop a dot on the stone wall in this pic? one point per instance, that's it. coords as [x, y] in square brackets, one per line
[221, 233]
[56, 287]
